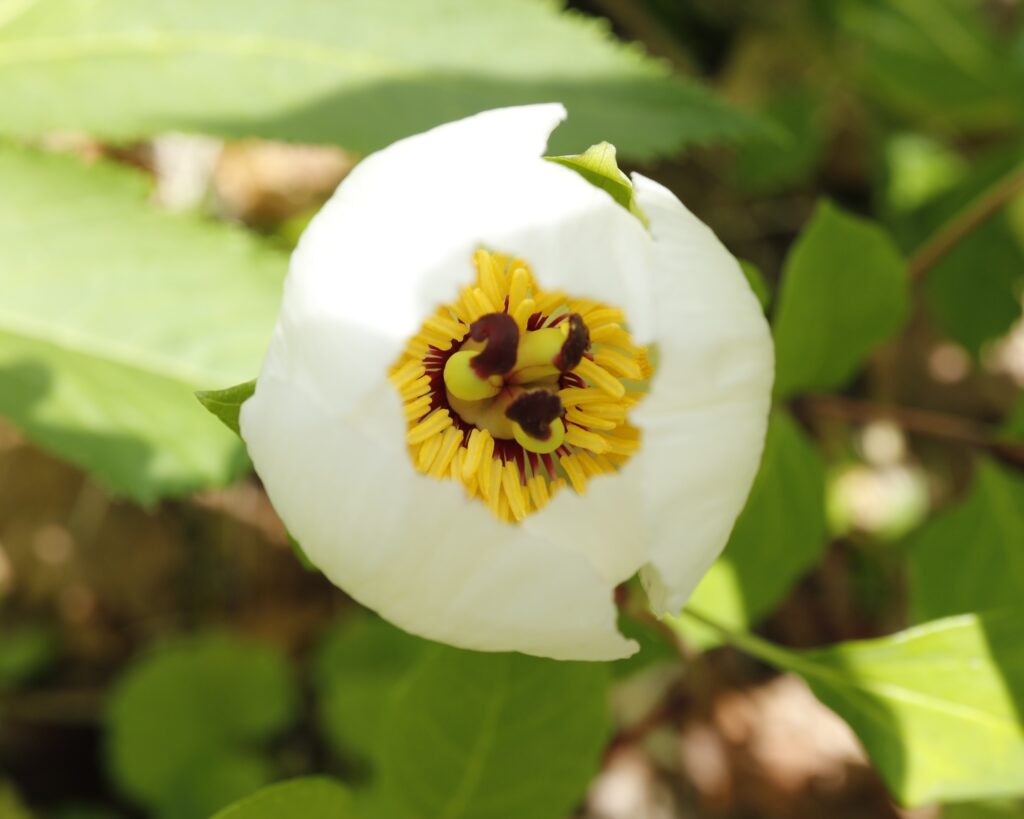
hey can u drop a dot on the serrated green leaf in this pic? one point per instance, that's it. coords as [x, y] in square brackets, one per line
[779, 535]
[114, 313]
[358, 668]
[844, 291]
[346, 72]
[309, 798]
[227, 404]
[501, 736]
[971, 556]
[185, 724]
[598, 166]
[937, 707]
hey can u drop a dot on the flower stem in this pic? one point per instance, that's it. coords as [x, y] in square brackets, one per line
[965, 222]
[755, 646]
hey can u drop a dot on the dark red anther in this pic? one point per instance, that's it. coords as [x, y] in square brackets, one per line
[576, 344]
[534, 412]
[502, 336]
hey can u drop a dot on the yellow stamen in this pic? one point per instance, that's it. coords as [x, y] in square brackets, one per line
[464, 428]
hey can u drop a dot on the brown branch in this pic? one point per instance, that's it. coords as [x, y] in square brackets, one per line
[917, 421]
[965, 222]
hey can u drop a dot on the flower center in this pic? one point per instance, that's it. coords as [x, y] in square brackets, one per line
[518, 392]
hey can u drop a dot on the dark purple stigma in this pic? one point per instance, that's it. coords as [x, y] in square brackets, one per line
[576, 344]
[534, 412]
[502, 336]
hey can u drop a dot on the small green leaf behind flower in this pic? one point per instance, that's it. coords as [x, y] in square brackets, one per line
[598, 166]
[226, 404]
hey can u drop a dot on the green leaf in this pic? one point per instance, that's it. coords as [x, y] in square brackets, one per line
[309, 798]
[358, 668]
[186, 723]
[11, 806]
[113, 314]
[779, 535]
[598, 166]
[974, 290]
[789, 154]
[971, 556]
[844, 292]
[227, 404]
[500, 736]
[758, 283]
[983, 810]
[940, 62]
[937, 707]
[346, 72]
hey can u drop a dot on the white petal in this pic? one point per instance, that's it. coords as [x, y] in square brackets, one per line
[415, 549]
[704, 421]
[398, 236]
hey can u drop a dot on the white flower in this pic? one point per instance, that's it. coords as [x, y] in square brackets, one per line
[354, 407]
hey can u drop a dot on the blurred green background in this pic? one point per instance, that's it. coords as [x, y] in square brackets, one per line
[162, 651]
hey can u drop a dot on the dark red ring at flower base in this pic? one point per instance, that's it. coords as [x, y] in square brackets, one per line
[534, 412]
[501, 333]
[576, 344]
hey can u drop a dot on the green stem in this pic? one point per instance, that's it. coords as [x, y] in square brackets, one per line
[755, 646]
[981, 209]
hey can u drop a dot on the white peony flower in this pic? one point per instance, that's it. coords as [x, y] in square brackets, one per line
[457, 416]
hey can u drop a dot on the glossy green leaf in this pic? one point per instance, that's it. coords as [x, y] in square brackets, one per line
[358, 668]
[937, 707]
[114, 313]
[779, 535]
[501, 736]
[844, 292]
[599, 167]
[970, 557]
[347, 72]
[186, 723]
[308, 798]
[227, 404]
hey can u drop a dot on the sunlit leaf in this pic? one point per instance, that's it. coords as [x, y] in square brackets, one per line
[844, 291]
[113, 314]
[347, 72]
[938, 707]
[501, 736]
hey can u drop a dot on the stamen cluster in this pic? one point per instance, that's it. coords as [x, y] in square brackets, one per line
[518, 392]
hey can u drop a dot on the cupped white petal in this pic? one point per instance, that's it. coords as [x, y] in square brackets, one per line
[415, 549]
[705, 418]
